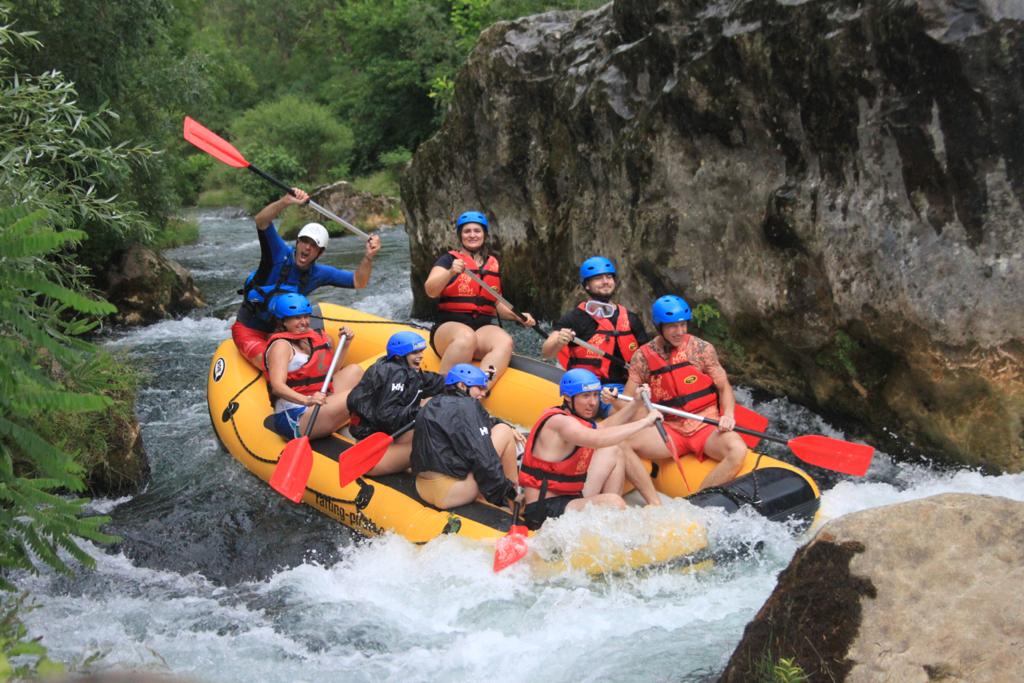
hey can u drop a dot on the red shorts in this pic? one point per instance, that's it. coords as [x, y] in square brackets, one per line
[692, 443]
[251, 343]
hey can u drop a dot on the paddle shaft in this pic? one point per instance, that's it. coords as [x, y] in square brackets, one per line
[708, 420]
[658, 424]
[327, 382]
[223, 151]
[502, 300]
[313, 205]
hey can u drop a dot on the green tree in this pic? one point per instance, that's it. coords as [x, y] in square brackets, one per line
[303, 130]
[381, 78]
[134, 57]
[53, 155]
[56, 156]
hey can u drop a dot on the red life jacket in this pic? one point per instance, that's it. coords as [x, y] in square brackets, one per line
[606, 338]
[463, 295]
[677, 383]
[309, 378]
[563, 478]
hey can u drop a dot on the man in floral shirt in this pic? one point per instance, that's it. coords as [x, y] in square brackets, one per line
[684, 373]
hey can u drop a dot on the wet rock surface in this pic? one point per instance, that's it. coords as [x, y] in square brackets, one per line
[147, 287]
[911, 592]
[842, 181]
[364, 210]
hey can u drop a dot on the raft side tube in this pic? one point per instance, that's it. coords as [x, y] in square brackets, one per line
[777, 493]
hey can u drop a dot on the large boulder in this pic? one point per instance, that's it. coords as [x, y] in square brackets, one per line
[147, 287]
[920, 591]
[841, 181]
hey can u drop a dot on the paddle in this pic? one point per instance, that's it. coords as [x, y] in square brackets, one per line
[668, 442]
[511, 547]
[222, 150]
[296, 461]
[816, 449]
[364, 456]
[500, 299]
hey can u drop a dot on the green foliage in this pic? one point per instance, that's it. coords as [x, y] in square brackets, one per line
[302, 130]
[92, 437]
[442, 91]
[385, 181]
[840, 354]
[788, 671]
[278, 163]
[382, 81]
[133, 57]
[15, 642]
[56, 156]
[177, 232]
[39, 324]
[713, 327]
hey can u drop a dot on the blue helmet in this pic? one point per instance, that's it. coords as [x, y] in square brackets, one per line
[595, 265]
[578, 381]
[470, 375]
[471, 217]
[403, 343]
[289, 304]
[670, 309]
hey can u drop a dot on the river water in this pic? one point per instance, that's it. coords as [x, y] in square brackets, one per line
[220, 580]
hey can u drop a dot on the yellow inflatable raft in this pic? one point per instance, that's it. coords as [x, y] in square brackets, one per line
[240, 409]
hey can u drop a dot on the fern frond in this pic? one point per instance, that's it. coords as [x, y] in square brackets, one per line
[39, 285]
[63, 401]
[39, 243]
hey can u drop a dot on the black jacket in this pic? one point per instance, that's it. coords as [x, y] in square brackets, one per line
[453, 437]
[388, 396]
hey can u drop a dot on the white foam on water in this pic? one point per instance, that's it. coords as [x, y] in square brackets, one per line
[181, 330]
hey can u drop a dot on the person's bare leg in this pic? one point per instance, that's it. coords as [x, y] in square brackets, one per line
[456, 343]
[606, 473]
[729, 450]
[647, 443]
[505, 443]
[396, 457]
[494, 349]
[346, 379]
[602, 499]
[331, 417]
[638, 476]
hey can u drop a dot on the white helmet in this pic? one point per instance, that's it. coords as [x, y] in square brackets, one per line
[315, 232]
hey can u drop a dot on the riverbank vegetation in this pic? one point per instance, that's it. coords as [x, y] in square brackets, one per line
[92, 96]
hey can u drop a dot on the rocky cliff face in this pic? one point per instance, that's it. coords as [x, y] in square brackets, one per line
[841, 180]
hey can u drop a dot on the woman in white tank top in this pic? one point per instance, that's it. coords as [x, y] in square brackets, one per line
[285, 359]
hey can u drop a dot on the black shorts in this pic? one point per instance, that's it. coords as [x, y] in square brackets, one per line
[536, 513]
[475, 322]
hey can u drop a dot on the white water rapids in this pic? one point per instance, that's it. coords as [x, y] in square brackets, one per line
[220, 580]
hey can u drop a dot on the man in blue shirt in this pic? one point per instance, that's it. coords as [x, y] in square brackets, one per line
[284, 268]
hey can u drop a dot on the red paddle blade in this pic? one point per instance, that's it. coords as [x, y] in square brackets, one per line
[833, 454]
[293, 468]
[361, 458]
[752, 420]
[213, 144]
[510, 548]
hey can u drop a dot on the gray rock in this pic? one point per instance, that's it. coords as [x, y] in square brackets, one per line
[920, 591]
[147, 287]
[842, 181]
[364, 210]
